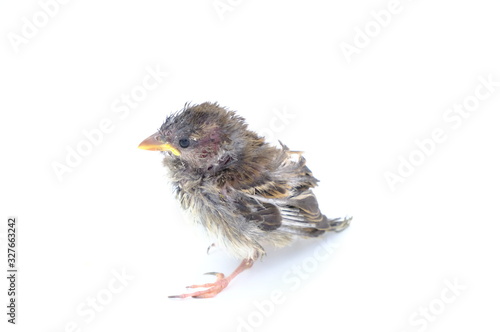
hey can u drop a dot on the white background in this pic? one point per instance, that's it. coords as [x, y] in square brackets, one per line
[115, 212]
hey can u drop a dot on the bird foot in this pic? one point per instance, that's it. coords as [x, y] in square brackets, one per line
[214, 288]
[218, 286]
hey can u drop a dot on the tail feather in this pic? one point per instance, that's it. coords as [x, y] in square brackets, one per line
[302, 216]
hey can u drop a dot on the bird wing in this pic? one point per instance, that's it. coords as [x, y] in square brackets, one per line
[280, 196]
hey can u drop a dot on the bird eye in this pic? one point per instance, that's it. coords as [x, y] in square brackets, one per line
[184, 143]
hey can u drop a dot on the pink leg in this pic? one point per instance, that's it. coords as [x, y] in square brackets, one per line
[216, 287]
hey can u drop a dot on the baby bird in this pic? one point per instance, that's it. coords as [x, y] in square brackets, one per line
[243, 191]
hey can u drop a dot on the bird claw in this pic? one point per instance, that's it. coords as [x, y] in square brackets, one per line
[214, 274]
[210, 248]
[212, 290]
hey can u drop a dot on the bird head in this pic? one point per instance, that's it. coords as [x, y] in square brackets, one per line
[202, 137]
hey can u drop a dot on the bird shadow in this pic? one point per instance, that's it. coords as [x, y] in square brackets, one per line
[287, 269]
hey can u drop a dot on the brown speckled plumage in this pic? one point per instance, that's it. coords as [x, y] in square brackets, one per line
[243, 191]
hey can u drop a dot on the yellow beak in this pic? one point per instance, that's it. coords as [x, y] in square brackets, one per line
[154, 143]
